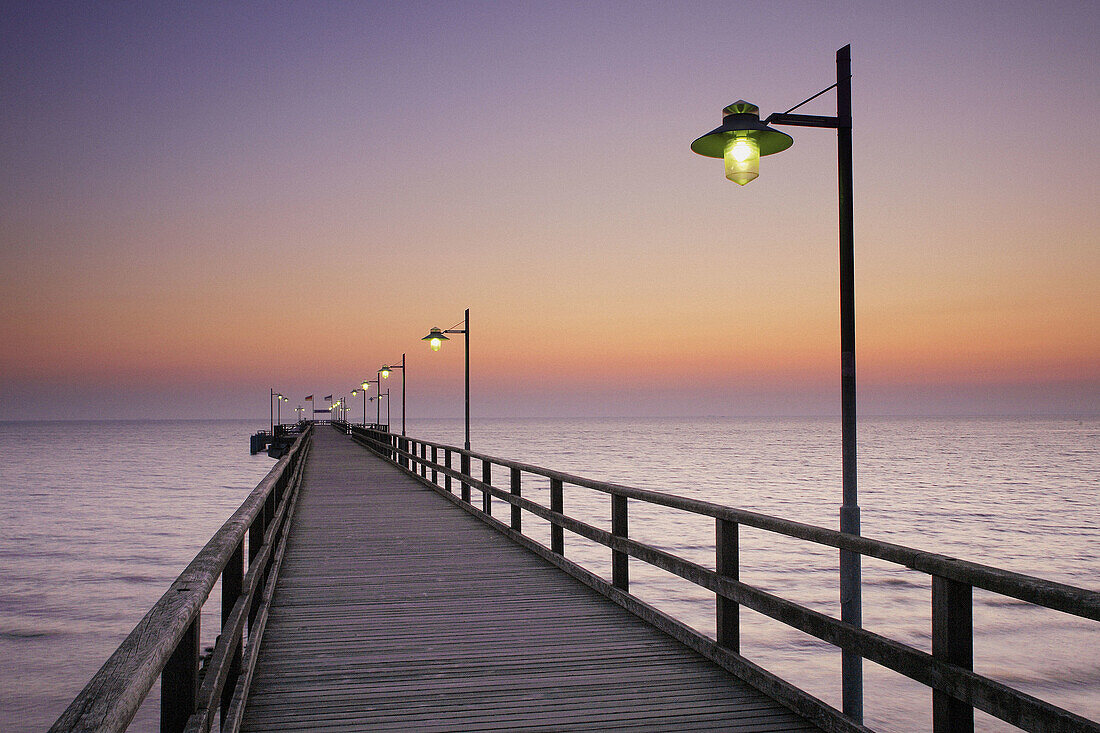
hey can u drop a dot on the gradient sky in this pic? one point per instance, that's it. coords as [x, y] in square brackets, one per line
[203, 200]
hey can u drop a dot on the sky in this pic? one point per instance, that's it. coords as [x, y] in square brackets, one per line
[202, 202]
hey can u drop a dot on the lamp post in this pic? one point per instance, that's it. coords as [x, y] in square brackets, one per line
[741, 140]
[366, 385]
[382, 373]
[435, 339]
[274, 396]
[356, 391]
[385, 375]
[363, 388]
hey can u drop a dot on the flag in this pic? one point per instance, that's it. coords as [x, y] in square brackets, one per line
[309, 398]
[329, 397]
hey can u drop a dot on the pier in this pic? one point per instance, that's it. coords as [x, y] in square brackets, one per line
[365, 587]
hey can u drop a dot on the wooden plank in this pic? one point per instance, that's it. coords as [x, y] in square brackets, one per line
[396, 610]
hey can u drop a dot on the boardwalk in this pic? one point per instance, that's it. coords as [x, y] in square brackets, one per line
[396, 610]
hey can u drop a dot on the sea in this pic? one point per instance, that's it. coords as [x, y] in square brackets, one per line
[98, 518]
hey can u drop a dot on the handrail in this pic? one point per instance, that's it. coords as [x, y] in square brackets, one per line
[1047, 593]
[957, 689]
[165, 642]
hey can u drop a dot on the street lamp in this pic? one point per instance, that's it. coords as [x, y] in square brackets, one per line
[385, 375]
[740, 140]
[366, 385]
[273, 397]
[363, 387]
[435, 339]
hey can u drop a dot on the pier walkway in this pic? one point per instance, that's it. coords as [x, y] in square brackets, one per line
[394, 609]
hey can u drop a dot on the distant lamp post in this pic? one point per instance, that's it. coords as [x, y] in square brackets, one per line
[275, 398]
[363, 387]
[356, 391]
[740, 140]
[435, 339]
[366, 385]
[385, 375]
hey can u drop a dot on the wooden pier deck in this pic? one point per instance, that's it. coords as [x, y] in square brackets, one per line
[396, 610]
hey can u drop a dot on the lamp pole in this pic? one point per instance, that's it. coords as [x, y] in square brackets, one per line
[435, 337]
[391, 367]
[378, 407]
[366, 386]
[277, 397]
[735, 140]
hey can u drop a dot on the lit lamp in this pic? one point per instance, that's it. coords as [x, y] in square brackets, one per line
[279, 399]
[366, 385]
[435, 339]
[740, 140]
[386, 370]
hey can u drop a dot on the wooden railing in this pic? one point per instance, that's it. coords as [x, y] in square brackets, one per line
[166, 641]
[948, 670]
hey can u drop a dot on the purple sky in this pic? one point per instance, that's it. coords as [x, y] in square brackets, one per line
[202, 201]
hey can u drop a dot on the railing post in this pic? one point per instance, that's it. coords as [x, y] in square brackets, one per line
[232, 582]
[557, 504]
[447, 463]
[255, 543]
[953, 642]
[435, 459]
[465, 472]
[424, 460]
[403, 443]
[620, 561]
[179, 681]
[516, 511]
[486, 478]
[727, 564]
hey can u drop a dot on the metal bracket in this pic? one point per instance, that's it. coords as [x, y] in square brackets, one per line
[786, 118]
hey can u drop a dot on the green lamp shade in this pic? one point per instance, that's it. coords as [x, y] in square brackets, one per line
[435, 339]
[741, 140]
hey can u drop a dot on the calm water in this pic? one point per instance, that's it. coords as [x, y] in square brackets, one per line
[99, 517]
